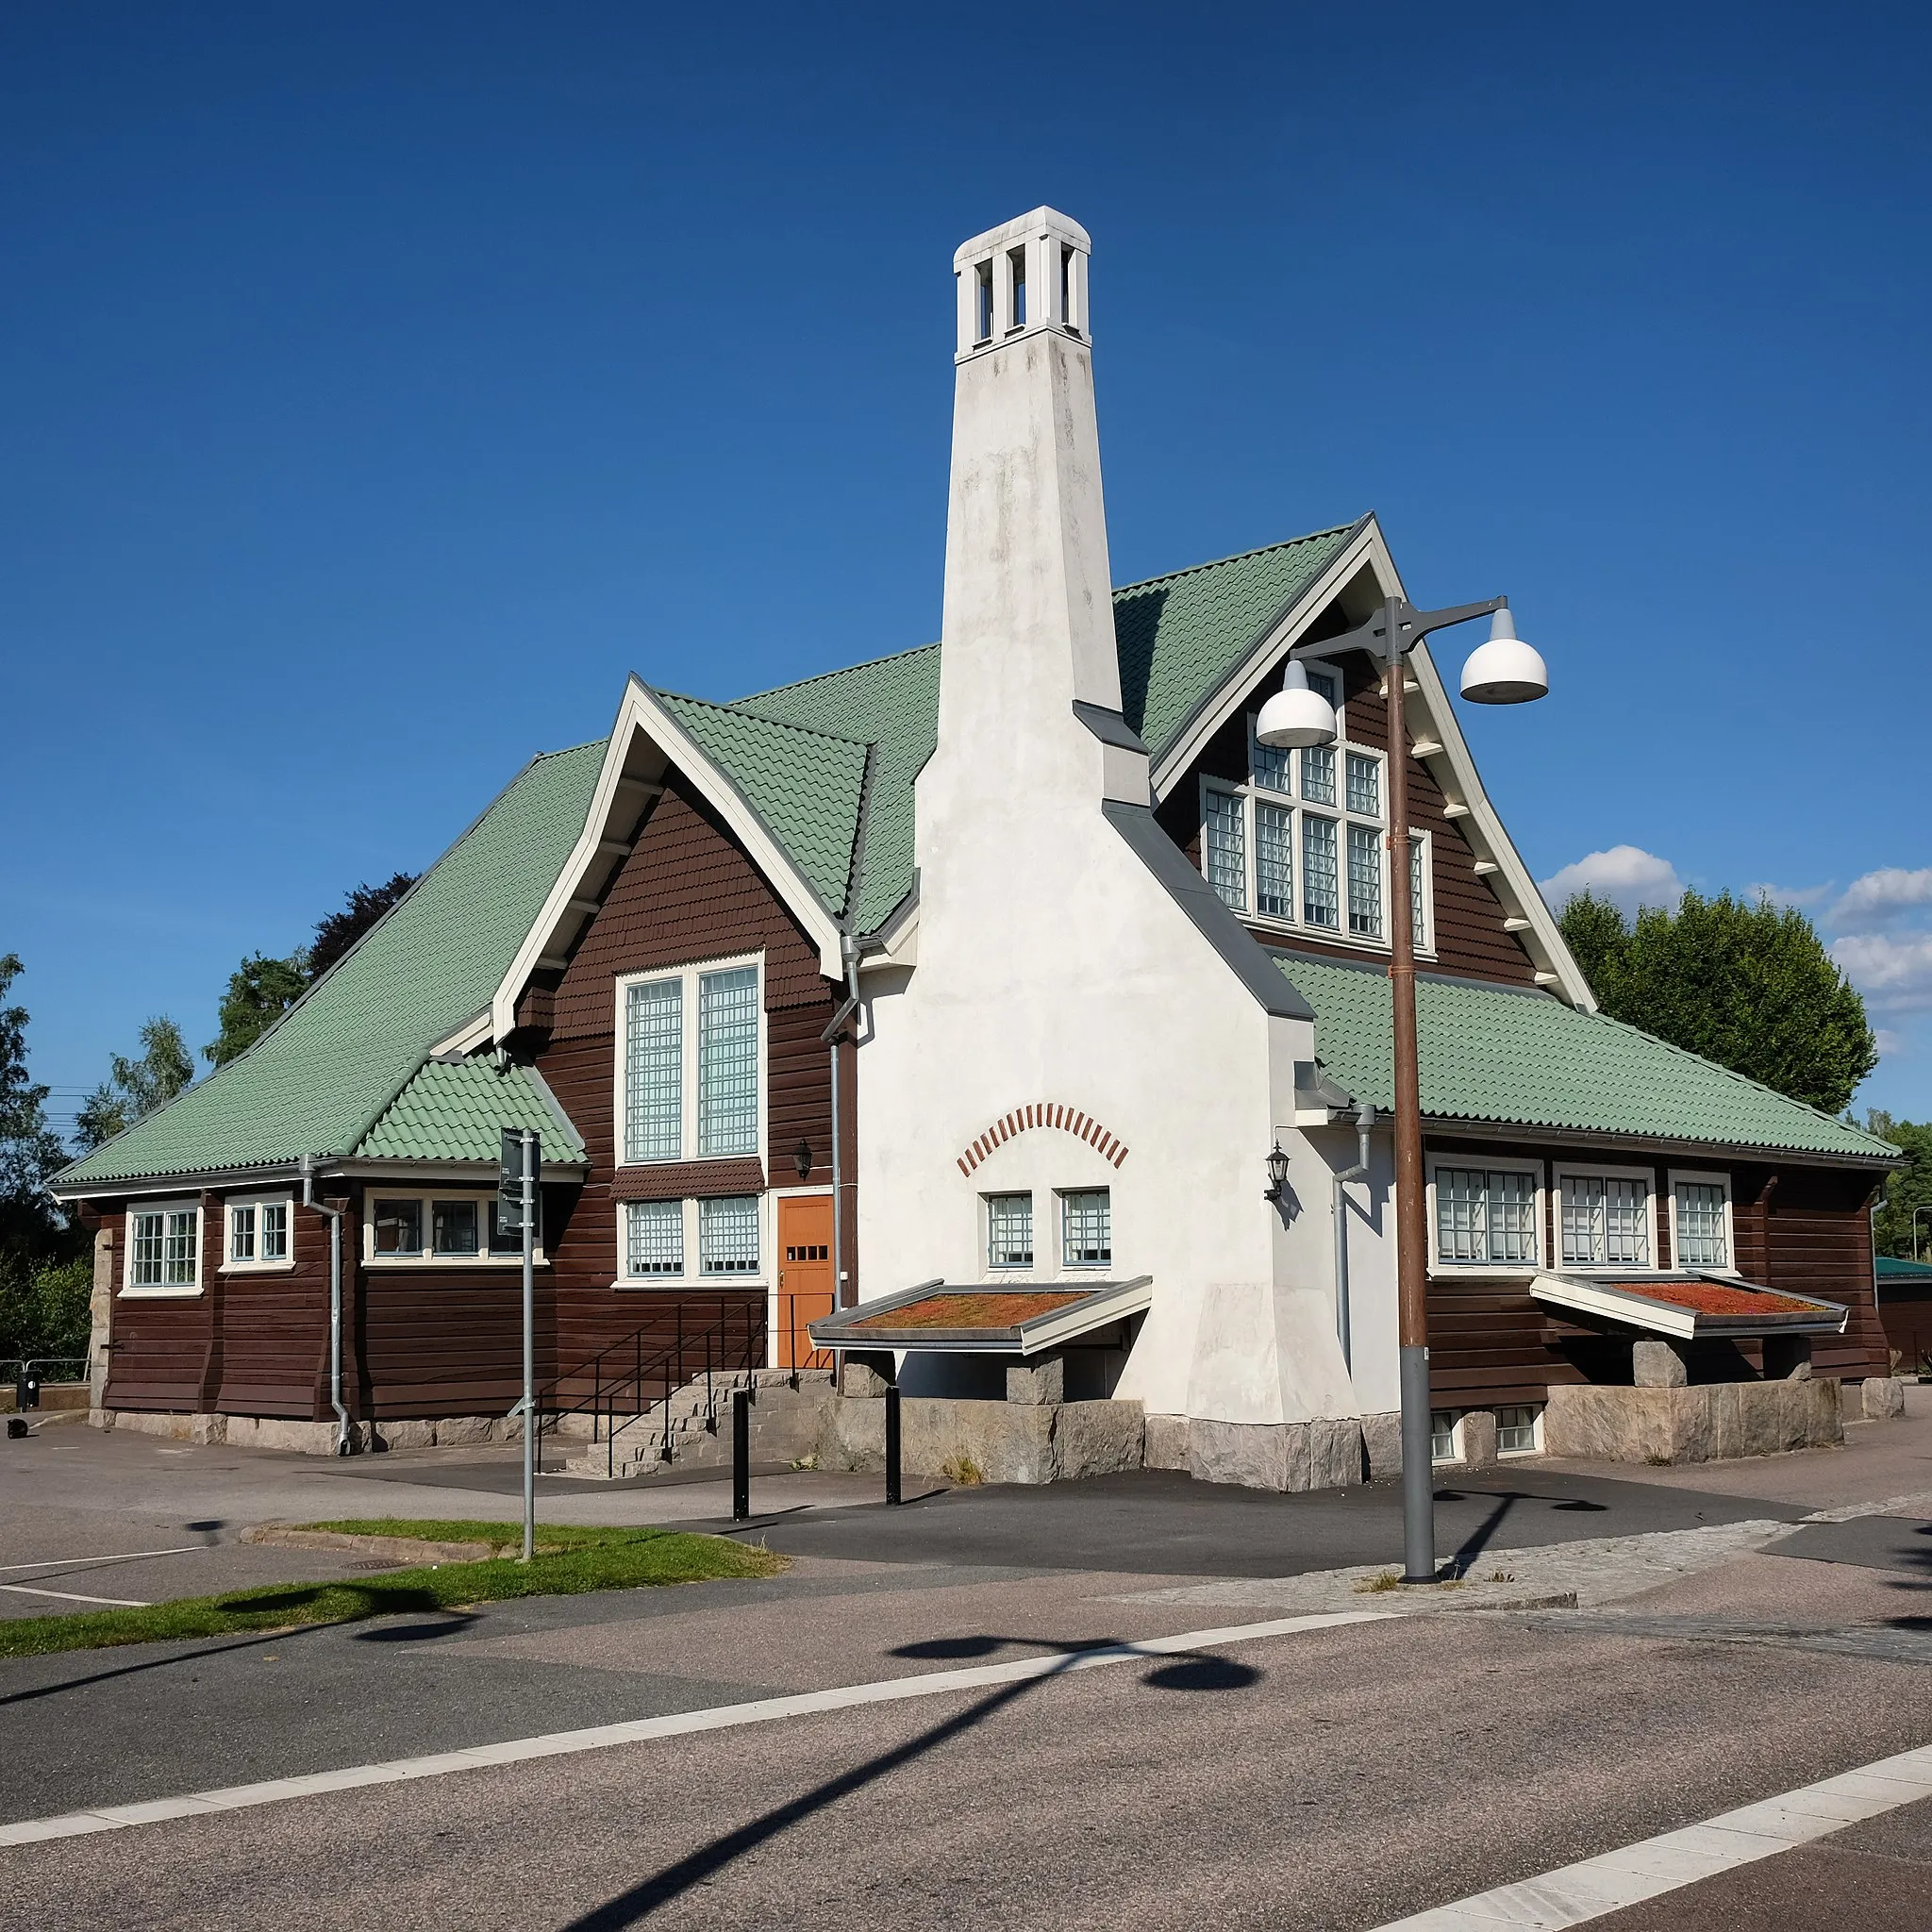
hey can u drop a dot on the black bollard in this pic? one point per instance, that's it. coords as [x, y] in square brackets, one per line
[892, 1442]
[740, 1455]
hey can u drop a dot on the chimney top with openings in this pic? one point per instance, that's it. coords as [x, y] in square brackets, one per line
[1021, 277]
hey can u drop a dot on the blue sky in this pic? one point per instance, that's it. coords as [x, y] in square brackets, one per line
[382, 384]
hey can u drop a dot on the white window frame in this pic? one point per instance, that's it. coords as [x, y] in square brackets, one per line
[1000, 1271]
[1247, 792]
[256, 1203]
[1494, 1271]
[1561, 1171]
[425, 1199]
[1060, 1197]
[1704, 1177]
[165, 1291]
[692, 1278]
[691, 975]
[1536, 1427]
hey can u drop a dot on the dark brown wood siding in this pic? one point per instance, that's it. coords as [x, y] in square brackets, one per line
[1800, 1228]
[1470, 938]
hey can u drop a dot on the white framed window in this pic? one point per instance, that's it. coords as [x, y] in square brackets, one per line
[1008, 1230]
[259, 1233]
[653, 1241]
[1086, 1227]
[729, 1235]
[1702, 1235]
[1605, 1217]
[1301, 843]
[1484, 1215]
[1442, 1435]
[690, 1063]
[439, 1228]
[163, 1249]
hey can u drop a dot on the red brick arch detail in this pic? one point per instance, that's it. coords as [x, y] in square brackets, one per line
[1042, 1113]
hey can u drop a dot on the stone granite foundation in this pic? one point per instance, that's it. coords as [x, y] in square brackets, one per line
[1012, 1441]
[1705, 1423]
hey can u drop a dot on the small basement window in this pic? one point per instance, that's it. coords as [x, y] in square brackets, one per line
[1442, 1434]
[1516, 1429]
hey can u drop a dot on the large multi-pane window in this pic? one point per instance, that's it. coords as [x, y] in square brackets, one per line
[1303, 841]
[656, 1240]
[1701, 1226]
[728, 1061]
[1606, 1221]
[1010, 1230]
[1486, 1215]
[691, 1064]
[654, 1070]
[441, 1230]
[164, 1247]
[1086, 1227]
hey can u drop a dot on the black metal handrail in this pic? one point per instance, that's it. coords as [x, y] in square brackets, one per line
[626, 1382]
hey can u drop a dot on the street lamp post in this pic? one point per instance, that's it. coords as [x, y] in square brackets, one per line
[1504, 670]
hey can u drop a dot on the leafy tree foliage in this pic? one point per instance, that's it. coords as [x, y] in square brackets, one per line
[135, 1087]
[44, 1310]
[261, 990]
[1748, 986]
[30, 1227]
[1891, 1226]
[336, 934]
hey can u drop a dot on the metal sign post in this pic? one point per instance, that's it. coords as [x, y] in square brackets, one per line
[523, 1155]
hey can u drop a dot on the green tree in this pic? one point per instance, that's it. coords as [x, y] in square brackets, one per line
[1748, 986]
[1892, 1226]
[44, 1310]
[134, 1089]
[261, 990]
[30, 1226]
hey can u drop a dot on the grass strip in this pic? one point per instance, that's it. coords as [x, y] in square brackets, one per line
[571, 1561]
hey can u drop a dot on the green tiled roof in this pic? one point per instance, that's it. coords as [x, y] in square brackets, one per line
[893, 702]
[313, 1083]
[456, 1110]
[1495, 1055]
[1180, 636]
[804, 783]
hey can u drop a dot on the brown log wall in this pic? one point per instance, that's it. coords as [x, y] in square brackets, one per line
[1803, 1229]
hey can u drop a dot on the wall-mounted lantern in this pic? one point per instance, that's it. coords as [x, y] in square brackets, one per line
[801, 1158]
[1278, 1176]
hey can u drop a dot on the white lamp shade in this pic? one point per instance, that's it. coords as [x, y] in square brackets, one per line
[1505, 670]
[1295, 715]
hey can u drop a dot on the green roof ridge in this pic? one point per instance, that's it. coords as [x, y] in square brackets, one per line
[1190, 570]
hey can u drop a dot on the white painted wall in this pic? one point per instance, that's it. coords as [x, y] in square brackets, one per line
[1053, 967]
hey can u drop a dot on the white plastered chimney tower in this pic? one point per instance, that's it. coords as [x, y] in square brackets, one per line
[1057, 962]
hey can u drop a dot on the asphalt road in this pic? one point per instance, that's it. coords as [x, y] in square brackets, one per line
[1330, 1778]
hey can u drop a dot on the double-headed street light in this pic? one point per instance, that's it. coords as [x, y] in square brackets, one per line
[1504, 670]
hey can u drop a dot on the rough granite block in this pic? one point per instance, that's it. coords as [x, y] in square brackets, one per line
[1382, 1440]
[1034, 1383]
[1100, 1438]
[1655, 1364]
[1882, 1398]
[1477, 1430]
[1167, 1442]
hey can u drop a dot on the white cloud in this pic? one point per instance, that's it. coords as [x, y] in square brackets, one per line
[1889, 1042]
[1626, 876]
[1894, 973]
[1883, 893]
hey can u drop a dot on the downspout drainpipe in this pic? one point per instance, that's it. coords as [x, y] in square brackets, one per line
[834, 1036]
[336, 1217]
[1364, 1126]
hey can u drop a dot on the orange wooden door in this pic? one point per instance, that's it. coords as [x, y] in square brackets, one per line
[805, 1273]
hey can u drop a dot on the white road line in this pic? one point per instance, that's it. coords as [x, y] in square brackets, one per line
[639, 1730]
[125, 1556]
[121, 1602]
[1574, 1894]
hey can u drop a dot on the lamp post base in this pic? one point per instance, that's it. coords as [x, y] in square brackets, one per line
[1417, 1471]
